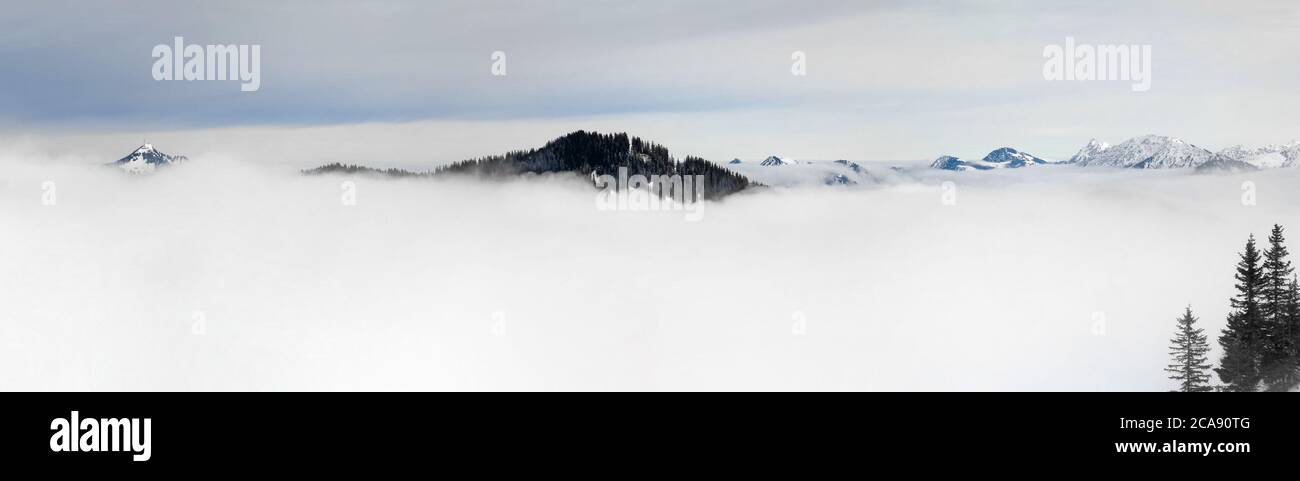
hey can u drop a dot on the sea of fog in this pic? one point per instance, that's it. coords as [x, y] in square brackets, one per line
[225, 274]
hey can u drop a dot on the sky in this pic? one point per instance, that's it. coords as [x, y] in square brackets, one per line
[410, 83]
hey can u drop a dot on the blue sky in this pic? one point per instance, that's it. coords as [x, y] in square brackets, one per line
[886, 80]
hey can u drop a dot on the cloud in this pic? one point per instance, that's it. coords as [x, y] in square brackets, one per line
[526, 285]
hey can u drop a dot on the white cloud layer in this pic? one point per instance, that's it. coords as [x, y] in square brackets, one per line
[525, 285]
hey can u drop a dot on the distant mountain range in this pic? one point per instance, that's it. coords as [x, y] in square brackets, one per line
[146, 160]
[1145, 152]
[591, 154]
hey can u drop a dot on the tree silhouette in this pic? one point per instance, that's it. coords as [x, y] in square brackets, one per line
[1188, 351]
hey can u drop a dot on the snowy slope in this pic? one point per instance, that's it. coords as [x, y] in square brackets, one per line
[1146, 152]
[1266, 157]
[1223, 164]
[1089, 151]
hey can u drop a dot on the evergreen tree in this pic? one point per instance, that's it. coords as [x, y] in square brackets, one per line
[1277, 347]
[1188, 350]
[1240, 340]
[1288, 373]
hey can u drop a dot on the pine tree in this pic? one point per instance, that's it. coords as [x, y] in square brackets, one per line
[1277, 349]
[1290, 332]
[1240, 340]
[1189, 351]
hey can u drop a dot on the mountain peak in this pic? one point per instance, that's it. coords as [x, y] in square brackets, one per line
[1158, 138]
[1013, 158]
[1097, 145]
[1094, 148]
[146, 159]
[777, 161]
[948, 162]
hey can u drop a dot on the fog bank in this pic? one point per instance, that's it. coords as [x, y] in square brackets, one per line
[225, 274]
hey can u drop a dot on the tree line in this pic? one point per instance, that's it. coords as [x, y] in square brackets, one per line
[594, 154]
[1261, 342]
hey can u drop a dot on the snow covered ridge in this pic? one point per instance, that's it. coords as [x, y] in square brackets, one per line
[1266, 157]
[1145, 152]
[1003, 158]
[146, 160]
[775, 161]
[786, 172]
[1163, 152]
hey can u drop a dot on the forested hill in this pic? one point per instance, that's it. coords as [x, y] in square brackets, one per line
[339, 168]
[582, 153]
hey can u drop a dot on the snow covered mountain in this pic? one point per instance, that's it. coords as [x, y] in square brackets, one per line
[948, 162]
[1146, 152]
[1266, 157]
[1013, 158]
[1223, 164]
[775, 161]
[147, 159]
[793, 173]
[853, 166]
[1089, 151]
[1003, 158]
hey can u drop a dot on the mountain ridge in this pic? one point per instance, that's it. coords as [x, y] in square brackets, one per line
[584, 153]
[1000, 158]
[1142, 152]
